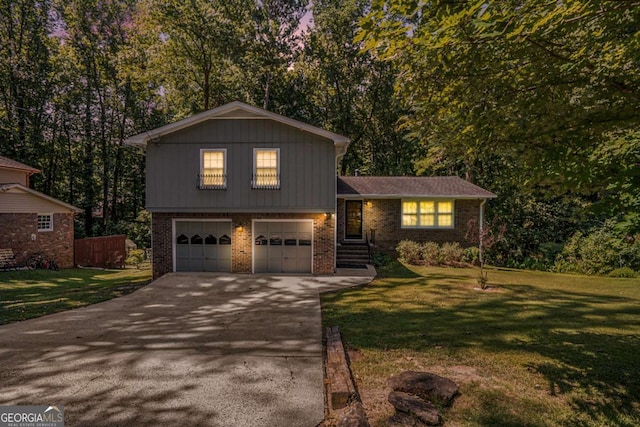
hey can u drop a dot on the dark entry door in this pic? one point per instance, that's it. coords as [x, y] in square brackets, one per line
[353, 229]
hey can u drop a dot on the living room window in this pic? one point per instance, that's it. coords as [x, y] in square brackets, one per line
[266, 168]
[427, 214]
[45, 222]
[213, 169]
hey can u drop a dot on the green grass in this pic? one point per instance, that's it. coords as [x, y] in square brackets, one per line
[34, 293]
[538, 349]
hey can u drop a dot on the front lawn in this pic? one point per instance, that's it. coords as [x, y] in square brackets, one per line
[538, 349]
[34, 293]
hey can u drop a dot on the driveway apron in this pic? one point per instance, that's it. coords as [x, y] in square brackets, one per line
[188, 349]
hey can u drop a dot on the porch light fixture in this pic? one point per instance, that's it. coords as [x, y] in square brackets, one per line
[368, 203]
[239, 229]
[328, 215]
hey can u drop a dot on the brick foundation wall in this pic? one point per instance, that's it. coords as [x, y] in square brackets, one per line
[384, 216]
[242, 241]
[17, 228]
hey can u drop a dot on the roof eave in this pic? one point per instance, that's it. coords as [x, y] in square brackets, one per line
[142, 139]
[410, 196]
[44, 196]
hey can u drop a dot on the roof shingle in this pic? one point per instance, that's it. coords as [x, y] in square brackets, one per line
[410, 186]
[5, 162]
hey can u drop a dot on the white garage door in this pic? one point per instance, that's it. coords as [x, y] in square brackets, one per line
[282, 247]
[203, 246]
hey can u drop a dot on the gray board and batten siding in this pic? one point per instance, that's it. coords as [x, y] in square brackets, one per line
[307, 168]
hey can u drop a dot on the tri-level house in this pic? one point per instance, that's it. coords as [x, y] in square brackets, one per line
[31, 221]
[241, 189]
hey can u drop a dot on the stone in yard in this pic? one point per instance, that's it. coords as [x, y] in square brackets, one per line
[355, 417]
[400, 419]
[430, 387]
[419, 408]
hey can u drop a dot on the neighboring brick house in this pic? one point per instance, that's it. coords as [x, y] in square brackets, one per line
[31, 221]
[388, 209]
[241, 189]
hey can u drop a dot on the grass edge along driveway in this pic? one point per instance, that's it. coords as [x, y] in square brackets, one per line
[33, 293]
[538, 349]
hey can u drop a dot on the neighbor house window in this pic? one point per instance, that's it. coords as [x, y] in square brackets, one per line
[266, 168]
[45, 222]
[427, 214]
[213, 169]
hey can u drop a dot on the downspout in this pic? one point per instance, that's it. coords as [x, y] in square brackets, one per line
[339, 156]
[480, 231]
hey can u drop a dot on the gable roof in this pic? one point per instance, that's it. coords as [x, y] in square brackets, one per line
[410, 186]
[8, 163]
[233, 110]
[20, 187]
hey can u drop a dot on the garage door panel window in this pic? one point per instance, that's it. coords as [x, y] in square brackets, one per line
[283, 247]
[198, 246]
[427, 214]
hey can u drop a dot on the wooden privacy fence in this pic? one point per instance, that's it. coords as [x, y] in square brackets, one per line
[105, 251]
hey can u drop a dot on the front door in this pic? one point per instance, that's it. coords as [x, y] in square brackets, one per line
[353, 229]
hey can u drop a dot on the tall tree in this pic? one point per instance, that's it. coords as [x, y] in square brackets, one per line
[25, 82]
[351, 92]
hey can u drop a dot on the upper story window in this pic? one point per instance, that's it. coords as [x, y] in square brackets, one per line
[427, 214]
[45, 222]
[266, 168]
[213, 169]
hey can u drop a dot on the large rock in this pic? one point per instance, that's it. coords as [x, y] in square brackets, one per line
[430, 387]
[415, 406]
[354, 417]
[400, 419]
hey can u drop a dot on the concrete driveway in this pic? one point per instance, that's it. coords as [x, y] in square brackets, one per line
[188, 349]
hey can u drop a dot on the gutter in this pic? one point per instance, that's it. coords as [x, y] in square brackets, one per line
[481, 230]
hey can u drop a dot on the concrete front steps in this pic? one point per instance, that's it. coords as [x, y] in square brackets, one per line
[352, 254]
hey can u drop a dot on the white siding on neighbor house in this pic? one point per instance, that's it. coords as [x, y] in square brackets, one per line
[10, 176]
[307, 169]
[17, 201]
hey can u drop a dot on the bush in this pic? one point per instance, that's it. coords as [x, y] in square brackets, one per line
[380, 260]
[410, 252]
[600, 251]
[471, 255]
[430, 252]
[135, 257]
[451, 253]
[623, 272]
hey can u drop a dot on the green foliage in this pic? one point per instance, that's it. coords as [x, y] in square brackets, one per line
[471, 255]
[451, 253]
[600, 251]
[135, 257]
[380, 259]
[623, 272]
[430, 253]
[410, 252]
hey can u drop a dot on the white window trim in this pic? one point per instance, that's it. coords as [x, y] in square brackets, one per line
[50, 222]
[224, 171]
[432, 227]
[255, 161]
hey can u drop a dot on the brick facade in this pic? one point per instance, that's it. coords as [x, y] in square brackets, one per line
[384, 216]
[18, 229]
[242, 240]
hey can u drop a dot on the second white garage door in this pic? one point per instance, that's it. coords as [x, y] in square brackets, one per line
[283, 246]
